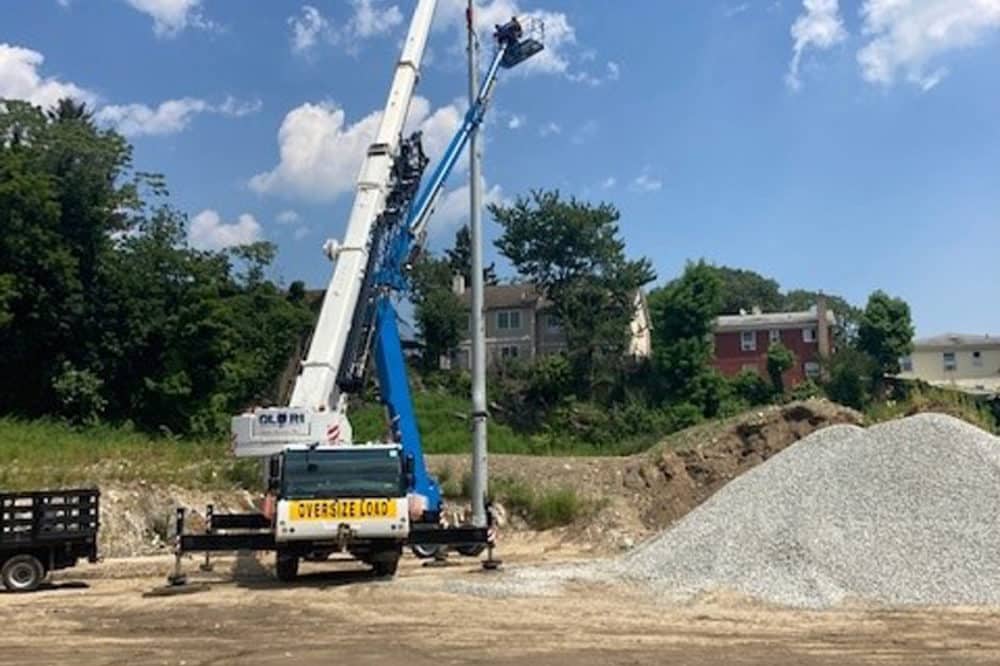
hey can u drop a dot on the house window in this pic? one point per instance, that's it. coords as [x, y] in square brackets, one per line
[950, 362]
[509, 320]
[748, 340]
[809, 335]
[552, 322]
[906, 364]
[811, 369]
[977, 359]
[509, 351]
[774, 335]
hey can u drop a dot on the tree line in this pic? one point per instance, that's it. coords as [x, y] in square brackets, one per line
[572, 251]
[106, 311]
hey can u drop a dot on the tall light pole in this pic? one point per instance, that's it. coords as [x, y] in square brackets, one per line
[478, 349]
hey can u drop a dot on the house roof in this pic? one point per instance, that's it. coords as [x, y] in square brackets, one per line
[743, 322]
[507, 296]
[952, 340]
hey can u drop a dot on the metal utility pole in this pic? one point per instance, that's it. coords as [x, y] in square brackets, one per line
[478, 350]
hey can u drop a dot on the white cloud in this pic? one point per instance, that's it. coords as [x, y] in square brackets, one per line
[209, 232]
[820, 27]
[735, 10]
[320, 152]
[614, 71]
[646, 183]
[307, 28]
[515, 121]
[368, 20]
[452, 210]
[19, 79]
[559, 38]
[550, 128]
[172, 16]
[905, 36]
[169, 117]
[300, 233]
[288, 217]
[609, 182]
[236, 108]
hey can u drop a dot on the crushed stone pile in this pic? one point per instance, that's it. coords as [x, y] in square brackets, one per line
[905, 512]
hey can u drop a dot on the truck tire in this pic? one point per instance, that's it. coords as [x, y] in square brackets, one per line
[386, 568]
[471, 549]
[426, 551]
[22, 573]
[286, 567]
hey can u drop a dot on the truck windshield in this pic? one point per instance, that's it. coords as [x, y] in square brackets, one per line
[343, 473]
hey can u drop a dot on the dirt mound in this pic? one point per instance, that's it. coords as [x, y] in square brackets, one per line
[643, 494]
[901, 513]
[138, 519]
[685, 470]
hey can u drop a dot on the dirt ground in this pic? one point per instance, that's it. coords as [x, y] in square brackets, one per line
[98, 615]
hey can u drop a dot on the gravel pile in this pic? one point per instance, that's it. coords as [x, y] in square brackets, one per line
[906, 512]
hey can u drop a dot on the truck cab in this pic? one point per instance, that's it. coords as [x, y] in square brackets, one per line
[340, 499]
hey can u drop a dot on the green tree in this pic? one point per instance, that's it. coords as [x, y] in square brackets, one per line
[885, 332]
[779, 360]
[440, 316]
[744, 290]
[849, 380]
[460, 258]
[104, 309]
[683, 314]
[572, 252]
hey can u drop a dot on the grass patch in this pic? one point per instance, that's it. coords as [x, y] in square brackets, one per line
[919, 399]
[445, 428]
[542, 509]
[47, 454]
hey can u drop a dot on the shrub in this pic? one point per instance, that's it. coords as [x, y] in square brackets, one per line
[79, 394]
[555, 508]
[750, 387]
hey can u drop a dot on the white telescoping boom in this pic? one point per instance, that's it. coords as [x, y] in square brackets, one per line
[317, 409]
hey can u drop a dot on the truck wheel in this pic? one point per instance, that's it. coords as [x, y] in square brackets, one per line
[22, 573]
[471, 549]
[287, 567]
[425, 551]
[385, 567]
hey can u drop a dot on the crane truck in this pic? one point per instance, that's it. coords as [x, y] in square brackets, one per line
[327, 493]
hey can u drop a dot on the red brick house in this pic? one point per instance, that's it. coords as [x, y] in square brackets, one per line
[741, 341]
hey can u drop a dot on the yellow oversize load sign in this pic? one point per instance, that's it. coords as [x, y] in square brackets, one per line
[342, 509]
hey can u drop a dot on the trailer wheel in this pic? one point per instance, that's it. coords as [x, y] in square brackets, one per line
[287, 567]
[22, 573]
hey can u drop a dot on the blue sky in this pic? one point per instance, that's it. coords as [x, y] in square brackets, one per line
[844, 146]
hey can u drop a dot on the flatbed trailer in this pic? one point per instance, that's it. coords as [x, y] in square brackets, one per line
[44, 531]
[254, 531]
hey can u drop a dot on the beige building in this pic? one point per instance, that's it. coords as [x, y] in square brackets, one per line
[966, 362]
[521, 325]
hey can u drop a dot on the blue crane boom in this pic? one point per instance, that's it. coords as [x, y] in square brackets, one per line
[402, 242]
